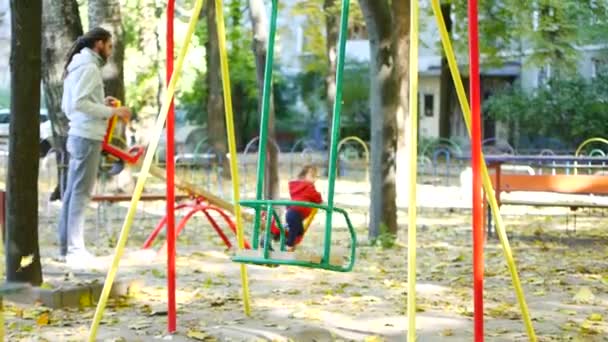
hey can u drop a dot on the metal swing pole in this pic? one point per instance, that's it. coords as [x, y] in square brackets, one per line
[234, 170]
[478, 234]
[170, 181]
[144, 172]
[335, 128]
[412, 206]
[486, 181]
[263, 141]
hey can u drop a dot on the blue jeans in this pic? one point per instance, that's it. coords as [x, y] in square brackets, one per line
[296, 226]
[85, 155]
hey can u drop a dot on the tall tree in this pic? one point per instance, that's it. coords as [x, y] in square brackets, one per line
[216, 123]
[61, 26]
[22, 251]
[400, 39]
[106, 14]
[388, 48]
[445, 80]
[259, 22]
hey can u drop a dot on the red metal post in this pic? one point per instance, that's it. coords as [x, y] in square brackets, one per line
[170, 161]
[478, 235]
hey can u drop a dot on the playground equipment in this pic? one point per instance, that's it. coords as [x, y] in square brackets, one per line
[481, 172]
[412, 200]
[132, 155]
[360, 142]
[260, 205]
[147, 168]
[197, 206]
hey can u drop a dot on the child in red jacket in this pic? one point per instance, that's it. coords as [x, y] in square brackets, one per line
[301, 189]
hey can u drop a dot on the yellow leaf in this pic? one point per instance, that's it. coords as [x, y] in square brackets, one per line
[26, 261]
[447, 332]
[43, 319]
[46, 286]
[157, 273]
[595, 317]
[584, 296]
[200, 335]
[587, 329]
[567, 312]
[86, 300]
[373, 339]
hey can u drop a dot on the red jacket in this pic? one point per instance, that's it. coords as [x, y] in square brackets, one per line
[301, 190]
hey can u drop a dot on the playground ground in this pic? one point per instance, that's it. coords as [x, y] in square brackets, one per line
[564, 275]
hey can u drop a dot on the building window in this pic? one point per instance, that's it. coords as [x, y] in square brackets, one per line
[429, 105]
[544, 74]
[598, 67]
[300, 40]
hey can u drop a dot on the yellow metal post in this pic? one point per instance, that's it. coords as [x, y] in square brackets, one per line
[413, 162]
[487, 183]
[234, 170]
[143, 174]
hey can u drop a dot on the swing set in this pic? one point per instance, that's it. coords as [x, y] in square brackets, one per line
[260, 205]
[265, 208]
[268, 207]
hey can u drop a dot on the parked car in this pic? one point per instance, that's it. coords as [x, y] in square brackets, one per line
[46, 131]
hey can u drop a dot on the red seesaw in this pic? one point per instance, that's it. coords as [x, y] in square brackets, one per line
[202, 203]
[199, 205]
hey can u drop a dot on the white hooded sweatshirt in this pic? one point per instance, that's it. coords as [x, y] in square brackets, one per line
[83, 97]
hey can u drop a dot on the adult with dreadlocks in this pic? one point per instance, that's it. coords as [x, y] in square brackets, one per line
[88, 110]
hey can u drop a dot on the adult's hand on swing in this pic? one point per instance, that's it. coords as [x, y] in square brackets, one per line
[123, 113]
[110, 101]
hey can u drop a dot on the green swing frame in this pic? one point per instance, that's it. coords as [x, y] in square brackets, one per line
[263, 256]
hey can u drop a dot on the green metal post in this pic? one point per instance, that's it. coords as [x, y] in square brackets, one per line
[335, 128]
[263, 142]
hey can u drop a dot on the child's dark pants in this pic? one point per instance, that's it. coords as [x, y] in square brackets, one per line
[296, 226]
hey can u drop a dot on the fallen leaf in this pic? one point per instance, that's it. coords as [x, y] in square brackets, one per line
[567, 312]
[595, 317]
[25, 262]
[46, 286]
[141, 325]
[584, 296]
[158, 273]
[86, 300]
[373, 339]
[43, 319]
[447, 332]
[200, 336]
[587, 329]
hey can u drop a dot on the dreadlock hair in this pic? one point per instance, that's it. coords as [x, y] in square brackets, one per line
[88, 40]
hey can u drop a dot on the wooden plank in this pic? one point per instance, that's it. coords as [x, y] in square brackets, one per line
[127, 198]
[335, 259]
[197, 191]
[566, 184]
[571, 205]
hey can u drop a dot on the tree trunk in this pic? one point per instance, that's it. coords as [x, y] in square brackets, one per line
[24, 133]
[150, 41]
[216, 122]
[445, 82]
[259, 23]
[61, 26]
[384, 105]
[106, 14]
[401, 50]
[332, 31]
